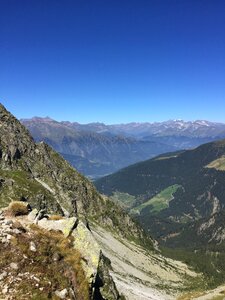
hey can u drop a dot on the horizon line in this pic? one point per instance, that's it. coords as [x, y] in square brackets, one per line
[121, 123]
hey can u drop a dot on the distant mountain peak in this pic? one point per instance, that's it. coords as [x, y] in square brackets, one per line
[39, 119]
[178, 120]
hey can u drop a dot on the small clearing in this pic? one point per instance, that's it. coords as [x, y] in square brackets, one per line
[218, 164]
[123, 199]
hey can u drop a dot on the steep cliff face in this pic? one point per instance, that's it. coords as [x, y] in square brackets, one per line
[37, 165]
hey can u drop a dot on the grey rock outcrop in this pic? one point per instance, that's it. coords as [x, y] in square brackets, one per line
[61, 294]
[95, 264]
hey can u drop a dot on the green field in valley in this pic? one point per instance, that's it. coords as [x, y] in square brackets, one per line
[158, 202]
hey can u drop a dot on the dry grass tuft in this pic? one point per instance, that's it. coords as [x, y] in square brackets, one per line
[17, 208]
[55, 217]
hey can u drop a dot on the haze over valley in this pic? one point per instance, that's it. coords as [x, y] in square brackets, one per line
[96, 149]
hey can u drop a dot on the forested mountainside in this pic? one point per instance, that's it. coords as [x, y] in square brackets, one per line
[177, 187]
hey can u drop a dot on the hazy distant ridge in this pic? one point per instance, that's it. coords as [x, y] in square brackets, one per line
[96, 149]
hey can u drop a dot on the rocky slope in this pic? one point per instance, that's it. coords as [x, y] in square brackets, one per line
[51, 258]
[35, 174]
[141, 274]
[32, 265]
[73, 255]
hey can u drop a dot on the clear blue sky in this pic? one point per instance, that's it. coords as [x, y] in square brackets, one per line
[113, 60]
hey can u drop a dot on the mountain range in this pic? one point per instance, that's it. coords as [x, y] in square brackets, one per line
[97, 149]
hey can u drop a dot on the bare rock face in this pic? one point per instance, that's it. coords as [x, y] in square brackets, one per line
[90, 250]
[15, 140]
[104, 284]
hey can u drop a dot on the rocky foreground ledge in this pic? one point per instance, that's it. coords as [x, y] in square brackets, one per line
[50, 257]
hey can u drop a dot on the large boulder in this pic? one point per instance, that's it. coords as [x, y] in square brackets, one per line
[95, 264]
[65, 225]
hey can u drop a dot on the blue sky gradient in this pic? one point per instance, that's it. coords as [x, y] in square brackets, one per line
[113, 61]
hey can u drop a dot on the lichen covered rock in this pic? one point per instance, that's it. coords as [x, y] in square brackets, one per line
[95, 265]
[66, 225]
[90, 250]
